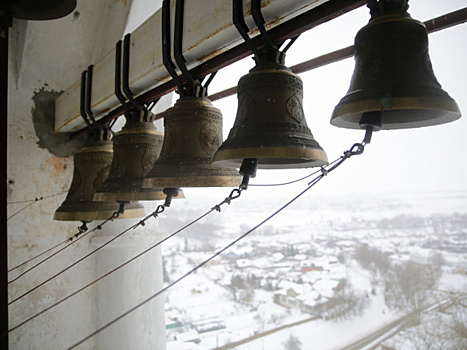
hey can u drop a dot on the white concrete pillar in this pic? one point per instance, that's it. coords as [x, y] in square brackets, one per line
[127, 287]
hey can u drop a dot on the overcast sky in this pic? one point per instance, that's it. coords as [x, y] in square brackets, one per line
[424, 159]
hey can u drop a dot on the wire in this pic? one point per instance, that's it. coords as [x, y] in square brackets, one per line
[356, 149]
[35, 200]
[233, 195]
[38, 255]
[110, 272]
[195, 268]
[98, 227]
[73, 239]
[293, 181]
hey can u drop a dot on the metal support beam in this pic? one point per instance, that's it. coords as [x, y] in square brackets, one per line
[432, 25]
[310, 19]
[241, 51]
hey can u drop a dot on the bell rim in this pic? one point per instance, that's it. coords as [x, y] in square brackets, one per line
[105, 148]
[193, 181]
[130, 213]
[136, 196]
[310, 157]
[348, 115]
[138, 131]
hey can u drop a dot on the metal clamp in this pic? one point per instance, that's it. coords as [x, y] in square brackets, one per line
[96, 131]
[186, 83]
[122, 77]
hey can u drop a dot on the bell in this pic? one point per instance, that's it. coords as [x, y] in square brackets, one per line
[136, 148]
[91, 167]
[39, 10]
[393, 75]
[270, 124]
[193, 132]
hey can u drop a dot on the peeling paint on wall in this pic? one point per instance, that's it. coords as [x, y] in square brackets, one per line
[43, 116]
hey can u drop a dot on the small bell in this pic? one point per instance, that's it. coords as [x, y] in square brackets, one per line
[136, 148]
[91, 167]
[193, 132]
[270, 123]
[393, 74]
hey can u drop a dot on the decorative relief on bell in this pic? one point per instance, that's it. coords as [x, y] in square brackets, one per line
[275, 132]
[193, 132]
[209, 139]
[136, 148]
[295, 109]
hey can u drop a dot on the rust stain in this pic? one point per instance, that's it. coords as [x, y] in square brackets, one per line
[210, 55]
[56, 165]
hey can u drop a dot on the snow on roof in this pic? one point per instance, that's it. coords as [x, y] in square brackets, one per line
[181, 345]
[300, 257]
[277, 257]
[325, 287]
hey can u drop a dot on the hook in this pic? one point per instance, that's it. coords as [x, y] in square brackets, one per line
[290, 43]
[118, 69]
[82, 99]
[239, 22]
[87, 102]
[211, 77]
[259, 21]
[126, 73]
[99, 132]
[166, 57]
[178, 38]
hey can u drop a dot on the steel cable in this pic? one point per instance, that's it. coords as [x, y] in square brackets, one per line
[73, 239]
[35, 200]
[100, 329]
[356, 149]
[233, 195]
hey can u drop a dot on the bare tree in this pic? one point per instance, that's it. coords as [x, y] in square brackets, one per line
[292, 343]
[407, 287]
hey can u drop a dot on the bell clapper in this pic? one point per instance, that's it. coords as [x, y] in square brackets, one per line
[247, 170]
[370, 121]
[121, 208]
[170, 193]
[81, 229]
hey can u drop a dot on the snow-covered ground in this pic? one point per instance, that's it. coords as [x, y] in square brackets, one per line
[311, 244]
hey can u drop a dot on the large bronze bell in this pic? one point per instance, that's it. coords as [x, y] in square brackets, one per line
[136, 148]
[270, 123]
[91, 167]
[393, 75]
[193, 132]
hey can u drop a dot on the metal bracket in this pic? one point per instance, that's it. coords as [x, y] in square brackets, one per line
[269, 52]
[259, 21]
[96, 131]
[188, 85]
[133, 109]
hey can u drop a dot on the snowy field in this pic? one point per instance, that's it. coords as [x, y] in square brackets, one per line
[233, 297]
